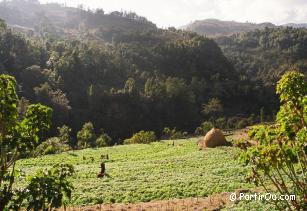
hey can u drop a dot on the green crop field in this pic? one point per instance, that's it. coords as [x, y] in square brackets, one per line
[141, 173]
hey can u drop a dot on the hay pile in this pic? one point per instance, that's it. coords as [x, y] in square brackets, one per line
[213, 139]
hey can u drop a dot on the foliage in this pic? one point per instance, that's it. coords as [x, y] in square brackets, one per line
[64, 134]
[52, 145]
[280, 155]
[49, 189]
[103, 140]
[173, 133]
[17, 136]
[220, 123]
[86, 136]
[142, 137]
[204, 128]
[214, 107]
[142, 81]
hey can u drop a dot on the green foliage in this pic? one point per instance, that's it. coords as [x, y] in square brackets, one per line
[142, 137]
[204, 128]
[173, 133]
[220, 123]
[49, 189]
[280, 155]
[64, 134]
[213, 108]
[149, 75]
[238, 122]
[103, 140]
[18, 135]
[51, 146]
[86, 136]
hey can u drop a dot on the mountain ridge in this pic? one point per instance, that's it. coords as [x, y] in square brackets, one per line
[216, 27]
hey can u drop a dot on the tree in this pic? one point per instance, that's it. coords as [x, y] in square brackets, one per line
[64, 134]
[2, 24]
[281, 153]
[130, 87]
[103, 140]
[213, 108]
[17, 135]
[86, 136]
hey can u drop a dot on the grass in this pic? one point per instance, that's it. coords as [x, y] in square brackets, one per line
[141, 173]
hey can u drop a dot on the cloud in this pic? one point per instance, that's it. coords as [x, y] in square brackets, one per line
[179, 12]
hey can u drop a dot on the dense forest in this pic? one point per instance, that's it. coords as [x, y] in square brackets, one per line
[134, 76]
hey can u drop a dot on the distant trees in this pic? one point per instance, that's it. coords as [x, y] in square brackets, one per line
[88, 138]
[146, 80]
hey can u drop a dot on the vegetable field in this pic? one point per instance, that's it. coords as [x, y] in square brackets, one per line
[142, 173]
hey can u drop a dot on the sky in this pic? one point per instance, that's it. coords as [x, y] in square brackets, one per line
[177, 13]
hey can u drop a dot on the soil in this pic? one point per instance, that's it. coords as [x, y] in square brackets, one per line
[213, 202]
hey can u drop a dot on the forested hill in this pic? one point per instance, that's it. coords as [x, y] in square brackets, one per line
[58, 20]
[123, 74]
[266, 54]
[142, 81]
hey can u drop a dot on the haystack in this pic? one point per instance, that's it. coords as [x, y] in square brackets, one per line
[212, 139]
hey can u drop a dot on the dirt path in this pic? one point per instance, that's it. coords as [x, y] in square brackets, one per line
[213, 202]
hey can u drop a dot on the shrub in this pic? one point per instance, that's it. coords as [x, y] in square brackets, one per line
[204, 128]
[86, 136]
[142, 137]
[220, 123]
[280, 155]
[47, 189]
[238, 122]
[51, 146]
[103, 140]
[64, 134]
[173, 133]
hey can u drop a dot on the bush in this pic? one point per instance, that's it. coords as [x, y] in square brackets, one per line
[48, 189]
[142, 137]
[173, 133]
[86, 136]
[238, 122]
[51, 146]
[103, 140]
[204, 128]
[280, 155]
[220, 123]
[64, 134]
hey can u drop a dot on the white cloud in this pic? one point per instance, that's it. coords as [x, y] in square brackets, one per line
[179, 12]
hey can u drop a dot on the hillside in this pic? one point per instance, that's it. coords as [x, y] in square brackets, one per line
[266, 54]
[59, 20]
[215, 27]
[139, 81]
[142, 173]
